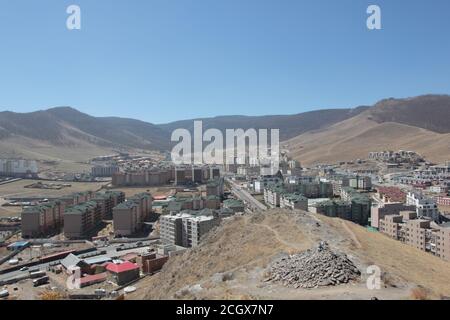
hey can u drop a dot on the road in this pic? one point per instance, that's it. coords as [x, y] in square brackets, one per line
[245, 196]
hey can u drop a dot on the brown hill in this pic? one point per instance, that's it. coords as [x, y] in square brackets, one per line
[289, 125]
[232, 261]
[67, 127]
[408, 124]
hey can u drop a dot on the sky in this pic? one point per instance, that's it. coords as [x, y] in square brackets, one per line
[167, 60]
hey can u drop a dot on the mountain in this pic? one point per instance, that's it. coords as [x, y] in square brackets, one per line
[65, 126]
[289, 125]
[431, 112]
[420, 124]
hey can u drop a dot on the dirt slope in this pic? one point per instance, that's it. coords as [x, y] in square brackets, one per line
[232, 262]
[355, 138]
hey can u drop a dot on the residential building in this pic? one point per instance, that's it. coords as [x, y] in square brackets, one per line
[149, 177]
[127, 217]
[104, 171]
[195, 227]
[170, 229]
[18, 168]
[294, 201]
[215, 187]
[144, 201]
[235, 205]
[81, 219]
[107, 201]
[443, 200]
[381, 210]
[425, 207]
[43, 219]
[443, 242]
[188, 227]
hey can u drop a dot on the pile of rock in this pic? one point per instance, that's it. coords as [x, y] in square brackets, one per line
[314, 268]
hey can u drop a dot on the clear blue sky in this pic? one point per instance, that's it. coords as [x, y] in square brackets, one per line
[165, 60]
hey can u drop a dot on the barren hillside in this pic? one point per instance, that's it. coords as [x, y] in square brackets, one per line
[232, 262]
[356, 137]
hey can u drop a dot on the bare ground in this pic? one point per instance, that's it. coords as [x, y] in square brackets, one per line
[232, 262]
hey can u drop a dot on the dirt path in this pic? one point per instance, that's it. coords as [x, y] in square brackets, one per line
[279, 239]
[352, 235]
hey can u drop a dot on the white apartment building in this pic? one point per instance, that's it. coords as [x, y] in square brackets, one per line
[425, 207]
[186, 229]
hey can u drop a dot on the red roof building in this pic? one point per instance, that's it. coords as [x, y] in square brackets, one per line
[123, 273]
[122, 267]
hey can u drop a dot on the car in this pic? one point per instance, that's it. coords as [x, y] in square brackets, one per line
[23, 269]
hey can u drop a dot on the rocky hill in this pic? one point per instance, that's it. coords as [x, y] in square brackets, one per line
[236, 259]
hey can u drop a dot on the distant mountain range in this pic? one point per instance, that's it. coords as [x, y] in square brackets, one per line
[419, 123]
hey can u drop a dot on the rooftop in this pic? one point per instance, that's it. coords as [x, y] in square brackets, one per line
[123, 267]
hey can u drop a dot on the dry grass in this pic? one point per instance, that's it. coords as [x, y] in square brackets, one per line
[396, 258]
[131, 191]
[51, 295]
[356, 137]
[238, 243]
[17, 189]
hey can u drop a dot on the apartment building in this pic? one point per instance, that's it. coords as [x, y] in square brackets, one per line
[43, 219]
[195, 227]
[419, 233]
[180, 176]
[272, 195]
[234, 205]
[214, 173]
[443, 242]
[197, 174]
[149, 177]
[339, 182]
[382, 209]
[170, 229]
[266, 181]
[104, 171]
[107, 201]
[391, 226]
[294, 201]
[425, 207]
[215, 187]
[20, 168]
[187, 228]
[212, 202]
[333, 208]
[360, 182]
[144, 201]
[314, 190]
[127, 218]
[78, 198]
[443, 200]
[80, 220]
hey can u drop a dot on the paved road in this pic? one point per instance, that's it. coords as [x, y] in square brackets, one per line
[245, 196]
